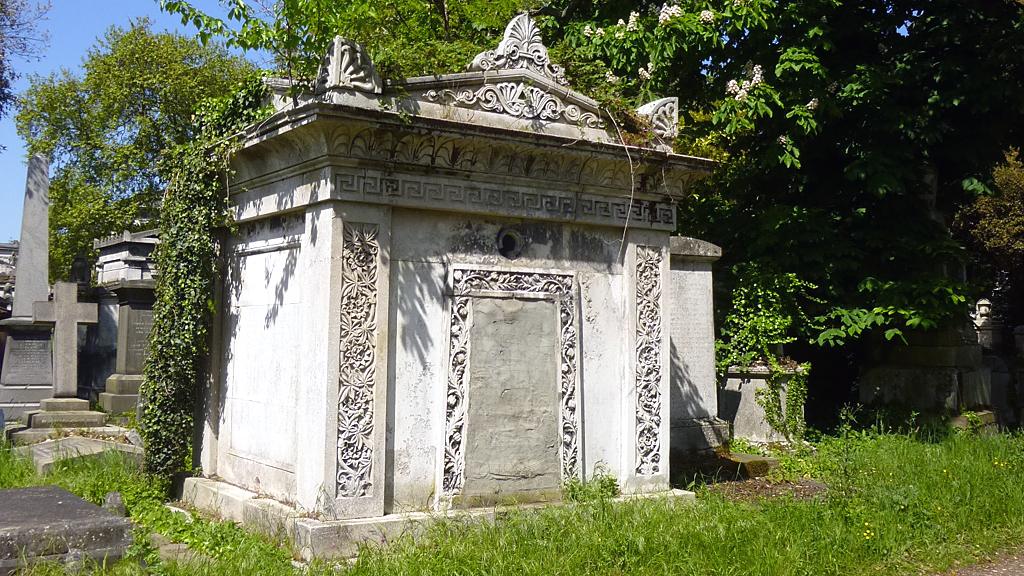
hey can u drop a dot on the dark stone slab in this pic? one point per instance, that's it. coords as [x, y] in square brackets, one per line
[48, 523]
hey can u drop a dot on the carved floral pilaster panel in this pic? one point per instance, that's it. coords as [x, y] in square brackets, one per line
[357, 374]
[648, 360]
[558, 287]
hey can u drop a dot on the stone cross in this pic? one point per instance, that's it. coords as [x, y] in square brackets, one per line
[65, 312]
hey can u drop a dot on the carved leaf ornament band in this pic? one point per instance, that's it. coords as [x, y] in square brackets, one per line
[358, 359]
[519, 100]
[648, 360]
[559, 287]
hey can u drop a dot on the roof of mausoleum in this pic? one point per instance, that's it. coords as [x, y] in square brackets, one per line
[510, 123]
[513, 88]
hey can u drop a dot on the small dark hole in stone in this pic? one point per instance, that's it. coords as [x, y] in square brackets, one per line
[510, 244]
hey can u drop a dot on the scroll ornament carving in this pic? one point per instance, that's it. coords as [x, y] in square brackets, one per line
[467, 281]
[663, 115]
[358, 359]
[521, 48]
[648, 360]
[348, 66]
[519, 100]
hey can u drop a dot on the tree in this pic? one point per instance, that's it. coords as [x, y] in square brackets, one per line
[106, 129]
[833, 118]
[19, 38]
[994, 226]
[406, 37]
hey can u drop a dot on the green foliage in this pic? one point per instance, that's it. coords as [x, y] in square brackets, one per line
[194, 209]
[832, 119]
[405, 38]
[899, 509]
[19, 38]
[106, 129]
[767, 309]
[767, 306]
[601, 486]
[996, 221]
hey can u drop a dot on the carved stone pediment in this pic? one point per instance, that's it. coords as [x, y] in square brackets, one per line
[520, 49]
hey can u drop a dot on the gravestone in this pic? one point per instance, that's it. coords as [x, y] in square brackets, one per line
[27, 372]
[696, 426]
[126, 270]
[65, 313]
[50, 524]
[64, 409]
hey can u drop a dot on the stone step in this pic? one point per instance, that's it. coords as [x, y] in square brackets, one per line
[118, 403]
[124, 384]
[66, 419]
[751, 465]
[63, 405]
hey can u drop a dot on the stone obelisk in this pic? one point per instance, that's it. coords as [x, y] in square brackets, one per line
[27, 375]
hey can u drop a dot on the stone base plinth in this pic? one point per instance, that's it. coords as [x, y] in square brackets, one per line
[26, 436]
[738, 405]
[122, 393]
[697, 437]
[58, 415]
[326, 539]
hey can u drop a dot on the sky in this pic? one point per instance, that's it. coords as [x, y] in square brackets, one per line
[73, 26]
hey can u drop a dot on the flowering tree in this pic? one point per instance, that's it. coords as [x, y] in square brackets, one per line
[836, 122]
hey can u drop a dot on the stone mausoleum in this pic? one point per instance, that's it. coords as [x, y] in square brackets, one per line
[455, 290]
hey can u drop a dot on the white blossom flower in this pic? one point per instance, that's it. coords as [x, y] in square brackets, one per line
[668, 12]
[644, 74]
[757, 75]
[611, 78]
[813, 104]
[783, 140]
[621, 22]
[732, 87]
[599, 32]
[707, 17]
[620, 34]
[631, 25]
[588, 31]
[739, 3]
[741, 95]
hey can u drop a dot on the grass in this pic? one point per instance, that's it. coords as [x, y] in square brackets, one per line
[897, 504]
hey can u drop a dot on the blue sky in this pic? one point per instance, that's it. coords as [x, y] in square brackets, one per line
[74, 26]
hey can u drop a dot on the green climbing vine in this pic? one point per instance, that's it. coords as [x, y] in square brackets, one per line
[193, 210]
[783, 398]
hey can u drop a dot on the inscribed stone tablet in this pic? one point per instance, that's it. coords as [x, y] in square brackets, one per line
[512, 440]
[140, 324]
[28, 360]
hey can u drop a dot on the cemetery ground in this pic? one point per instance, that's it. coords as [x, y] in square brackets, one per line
[888, 503]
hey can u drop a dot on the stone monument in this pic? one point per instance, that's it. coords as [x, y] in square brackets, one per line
[27, 373]
[450, 291]
[126, 270]
[64, 410]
